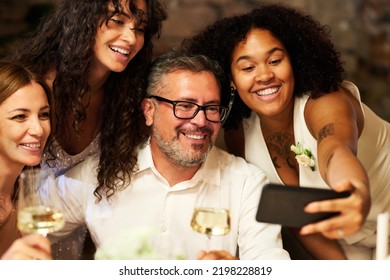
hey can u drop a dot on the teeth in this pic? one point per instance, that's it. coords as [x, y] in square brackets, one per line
[35, 146]
[197, 137]
[267, 91]
[119, 50]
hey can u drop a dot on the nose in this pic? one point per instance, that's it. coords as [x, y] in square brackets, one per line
[129, 33]
[35, 128]
[200, 118]
[264, 75]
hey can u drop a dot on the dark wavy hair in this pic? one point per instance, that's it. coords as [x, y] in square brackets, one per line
[64, 42]
[315, 61]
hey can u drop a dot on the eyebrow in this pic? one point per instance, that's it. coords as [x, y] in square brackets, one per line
[271, 51]
[126, 15]
[193, 100]
[28, 110]
[144, 20]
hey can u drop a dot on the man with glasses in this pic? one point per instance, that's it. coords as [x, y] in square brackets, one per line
[184, 112]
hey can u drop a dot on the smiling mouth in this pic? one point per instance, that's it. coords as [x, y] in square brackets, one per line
[120, 51]
[32, 145]
[267, 91]
[195, 137]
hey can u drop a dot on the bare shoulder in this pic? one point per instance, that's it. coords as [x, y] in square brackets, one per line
[338, 108]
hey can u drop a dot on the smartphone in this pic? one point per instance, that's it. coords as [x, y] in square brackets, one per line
[281, 204]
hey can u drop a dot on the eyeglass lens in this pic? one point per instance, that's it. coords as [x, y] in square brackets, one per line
[188, 110]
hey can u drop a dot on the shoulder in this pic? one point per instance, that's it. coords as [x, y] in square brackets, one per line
[233, 165]
[345, 97]
[338, 107]
[226, 159]
[352, 89]
[85, 171]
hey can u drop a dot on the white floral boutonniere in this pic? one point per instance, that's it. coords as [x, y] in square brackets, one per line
[304, 156]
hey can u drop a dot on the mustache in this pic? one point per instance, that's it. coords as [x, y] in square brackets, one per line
[204, 130]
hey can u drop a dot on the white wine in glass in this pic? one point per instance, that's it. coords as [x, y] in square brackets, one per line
[211, 221]
[211, 214]
[35, 214]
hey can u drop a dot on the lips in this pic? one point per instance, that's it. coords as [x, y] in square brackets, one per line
[120, 50]
[32, 145]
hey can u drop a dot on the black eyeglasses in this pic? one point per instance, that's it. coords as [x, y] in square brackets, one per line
[186, 110]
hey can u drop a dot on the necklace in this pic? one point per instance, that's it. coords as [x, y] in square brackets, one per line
[8, 217]
[13, 210]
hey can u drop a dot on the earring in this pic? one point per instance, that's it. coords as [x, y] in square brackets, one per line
[232, 94]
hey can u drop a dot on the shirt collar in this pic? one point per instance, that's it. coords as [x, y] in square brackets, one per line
[145, 159]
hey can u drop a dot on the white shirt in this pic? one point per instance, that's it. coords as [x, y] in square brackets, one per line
[149, 202]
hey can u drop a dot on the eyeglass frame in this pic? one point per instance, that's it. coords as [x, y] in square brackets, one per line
[199, 108]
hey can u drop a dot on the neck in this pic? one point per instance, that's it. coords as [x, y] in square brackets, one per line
[8, 178]
[282, 122]
[97, 79]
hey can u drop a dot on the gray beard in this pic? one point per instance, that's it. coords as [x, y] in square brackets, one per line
[173, 152]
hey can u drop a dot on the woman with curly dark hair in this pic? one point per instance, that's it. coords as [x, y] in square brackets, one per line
[296, 119]
[93, 54]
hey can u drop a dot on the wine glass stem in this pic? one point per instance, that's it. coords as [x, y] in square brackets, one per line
[208, 242]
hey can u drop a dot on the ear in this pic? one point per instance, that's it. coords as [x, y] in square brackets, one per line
[148, 109]
[232, 85]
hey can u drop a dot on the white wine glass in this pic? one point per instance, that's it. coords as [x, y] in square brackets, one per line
[211, 214]
[34, 214]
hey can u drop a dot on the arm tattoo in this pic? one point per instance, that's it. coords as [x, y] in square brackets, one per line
[326, 131]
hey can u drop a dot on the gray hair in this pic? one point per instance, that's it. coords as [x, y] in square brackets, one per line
[180, 60]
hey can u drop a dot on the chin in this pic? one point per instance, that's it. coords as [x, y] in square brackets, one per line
[118, 68]
[32, 162]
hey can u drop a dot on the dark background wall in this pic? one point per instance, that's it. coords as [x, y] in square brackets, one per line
[360, 30]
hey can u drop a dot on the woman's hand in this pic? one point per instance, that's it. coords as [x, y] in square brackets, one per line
[353, 211]
[215, 255]
[29, 247]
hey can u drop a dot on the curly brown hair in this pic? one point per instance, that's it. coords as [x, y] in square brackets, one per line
[64, 41]
[315, 61]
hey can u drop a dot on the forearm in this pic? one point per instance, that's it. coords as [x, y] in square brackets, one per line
[343, 172]
[343, 166]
